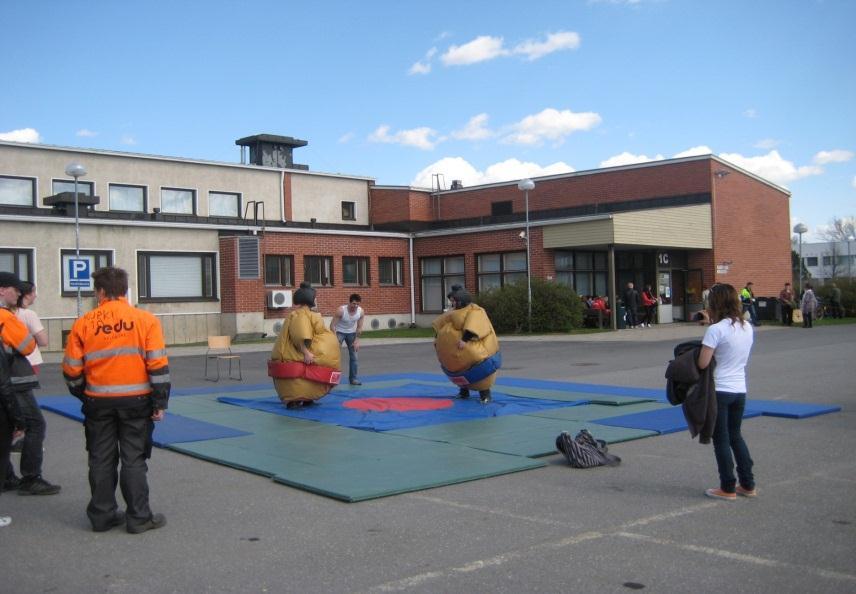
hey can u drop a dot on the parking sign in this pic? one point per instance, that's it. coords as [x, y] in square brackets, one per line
[80, 273]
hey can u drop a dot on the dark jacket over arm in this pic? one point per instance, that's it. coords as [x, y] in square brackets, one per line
[693, 389]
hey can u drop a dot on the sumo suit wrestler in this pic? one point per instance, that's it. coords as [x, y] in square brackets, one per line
[304, 363]
[467, 346]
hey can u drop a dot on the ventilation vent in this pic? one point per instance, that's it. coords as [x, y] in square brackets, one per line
[391, 323]
[375, 324]
[248, 257]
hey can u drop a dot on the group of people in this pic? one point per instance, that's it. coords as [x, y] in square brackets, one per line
[115, 363]
[634, 302]
[807, 304]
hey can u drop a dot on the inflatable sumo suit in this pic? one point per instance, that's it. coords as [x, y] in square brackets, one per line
[294, 380]
[474, 366]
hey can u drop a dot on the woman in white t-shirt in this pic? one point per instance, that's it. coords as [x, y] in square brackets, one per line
[729, 339]
[32, 322]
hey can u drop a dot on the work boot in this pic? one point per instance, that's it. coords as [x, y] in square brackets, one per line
[117, 520]
[484, 396]
[11, 483]
[37, 486]
[463, 393]
[155, 522]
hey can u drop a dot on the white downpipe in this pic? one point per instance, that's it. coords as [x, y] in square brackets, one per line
[412, 282]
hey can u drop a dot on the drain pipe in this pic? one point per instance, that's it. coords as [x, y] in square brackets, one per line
[412, 283]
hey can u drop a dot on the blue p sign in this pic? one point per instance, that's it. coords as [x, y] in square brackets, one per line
[79, 274]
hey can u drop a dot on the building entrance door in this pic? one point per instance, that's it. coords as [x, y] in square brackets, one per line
[679, 295]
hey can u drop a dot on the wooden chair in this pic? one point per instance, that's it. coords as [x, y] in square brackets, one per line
[220, 349]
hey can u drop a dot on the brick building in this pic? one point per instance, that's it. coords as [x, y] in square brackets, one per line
[216, 247]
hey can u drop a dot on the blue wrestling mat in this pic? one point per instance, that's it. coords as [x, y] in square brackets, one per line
[665, 420]
[789, 410]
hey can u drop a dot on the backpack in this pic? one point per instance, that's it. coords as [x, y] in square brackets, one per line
[584, 451]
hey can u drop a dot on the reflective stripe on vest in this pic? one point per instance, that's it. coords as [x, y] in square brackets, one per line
[106, 353]
[129, 389]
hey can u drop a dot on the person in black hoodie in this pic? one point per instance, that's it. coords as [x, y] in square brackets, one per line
[10, 421]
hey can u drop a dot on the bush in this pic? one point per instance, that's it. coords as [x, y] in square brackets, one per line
[848, 294]
[555, 307]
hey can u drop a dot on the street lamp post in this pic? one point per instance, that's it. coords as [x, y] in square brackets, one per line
[526, 185]
[849, 259]
[76, 170]
[799, 229]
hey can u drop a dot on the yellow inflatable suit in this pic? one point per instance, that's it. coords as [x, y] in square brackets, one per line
[304, 363]
[467, 346]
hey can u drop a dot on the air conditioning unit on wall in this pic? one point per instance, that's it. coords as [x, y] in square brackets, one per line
[278, 299]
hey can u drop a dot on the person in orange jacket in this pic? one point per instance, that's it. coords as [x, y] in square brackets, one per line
[115, 362]
[18, 342]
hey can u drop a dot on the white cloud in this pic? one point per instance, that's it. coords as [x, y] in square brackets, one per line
[551, 124]
[423, 66]
[480, 49]
[833, 156]
[694, 152]
[459, 168]
[86, 133]
[750, 113]
[346, 138]
[767, 144]
[772, 167]
[853, 182]
[22, 135]
[563, 40]
[128, 139]
[422, 138]
[476, 129]
[627, 158]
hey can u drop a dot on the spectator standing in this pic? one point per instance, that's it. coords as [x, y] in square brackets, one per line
[9, 420]
[729, 339]
[24, 381]
[347, 323]
[115, 362]
[808, 305]
[747, 297]
[649, 302]
[786, 300]
[835, 301]
[631, 305]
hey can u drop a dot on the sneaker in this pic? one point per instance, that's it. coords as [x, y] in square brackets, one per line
[155, 522]
[356, 382]
[11, 483]
[484, 396]
[5, 521]
[746, 492]
[720, 494]
[463, 393]
[37, 486]
[117, 520]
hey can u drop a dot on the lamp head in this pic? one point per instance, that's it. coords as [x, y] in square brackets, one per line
[525, 184]
[800, 228]
[75, 170]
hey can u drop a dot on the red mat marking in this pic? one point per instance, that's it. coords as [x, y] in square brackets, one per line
[398, 404]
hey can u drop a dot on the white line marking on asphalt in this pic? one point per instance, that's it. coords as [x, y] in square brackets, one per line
[497, 512]
[825, 573]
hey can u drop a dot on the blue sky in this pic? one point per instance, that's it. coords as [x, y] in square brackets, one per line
[478, 91]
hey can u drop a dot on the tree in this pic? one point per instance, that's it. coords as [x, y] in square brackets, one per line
[839, 233]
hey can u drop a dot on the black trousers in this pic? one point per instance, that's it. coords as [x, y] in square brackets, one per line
[787, 314]
[113, 434]
[5, 443]
[32, 446]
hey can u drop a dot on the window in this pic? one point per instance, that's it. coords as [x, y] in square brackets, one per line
[127, 198]
[498, 270]
[318, 270]
[170, 276]
[178, 201]
[438, 276]
[355, 270]
[584, 272]
[811, 261]
[827, 260]
[389, 271]
[97, 259]
[19, 262]
[279, 270]
[349, 211]
[17, 191]
[84, 188]
[224, 204]
[501, 208]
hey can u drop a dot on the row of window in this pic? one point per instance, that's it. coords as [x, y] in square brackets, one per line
[318, 270]
[21, 191]
[827, 260]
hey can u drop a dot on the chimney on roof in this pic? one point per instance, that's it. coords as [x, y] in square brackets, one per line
[269, 150]
[457, 185]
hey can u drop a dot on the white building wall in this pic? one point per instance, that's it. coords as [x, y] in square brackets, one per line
[320, 197]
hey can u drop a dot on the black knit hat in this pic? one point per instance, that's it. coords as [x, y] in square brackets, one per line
[7, 279]
[461, 296]
[305, 295]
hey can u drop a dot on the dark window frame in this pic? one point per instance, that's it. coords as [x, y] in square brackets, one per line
[145, 190]
[144, 280]
[349, 211]
[239, 197]
[364, 265]
[502, 272]
[809, 259]
[177, 189]
[70, 252]
[33, 193]
[16, 253]
[396, 274]
[502, 207]
[90, 184]
[283, 271]
[322, 263]
[444, 276]
[591, 270]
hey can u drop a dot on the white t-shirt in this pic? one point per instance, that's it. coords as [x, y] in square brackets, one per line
[731, 344]
[347, 324]
[34, 326]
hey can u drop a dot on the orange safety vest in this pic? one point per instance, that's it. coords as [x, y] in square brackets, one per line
[14, 334]
[115, 351]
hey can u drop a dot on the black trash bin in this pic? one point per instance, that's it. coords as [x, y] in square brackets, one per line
[621, 321]
[768, 308]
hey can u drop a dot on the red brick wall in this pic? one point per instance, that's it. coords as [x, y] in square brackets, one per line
[242, 295]
[751, 232]
[396, 205]
[674, 179]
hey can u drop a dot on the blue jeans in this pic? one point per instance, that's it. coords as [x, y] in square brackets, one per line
[727, 439]
[352, 354]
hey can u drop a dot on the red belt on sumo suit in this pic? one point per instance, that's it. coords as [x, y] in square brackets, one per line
[299, 369]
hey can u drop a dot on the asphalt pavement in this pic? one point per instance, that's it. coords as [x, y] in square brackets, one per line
[643, 525]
